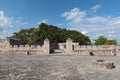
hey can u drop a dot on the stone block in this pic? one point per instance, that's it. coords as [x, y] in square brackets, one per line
[103, 64]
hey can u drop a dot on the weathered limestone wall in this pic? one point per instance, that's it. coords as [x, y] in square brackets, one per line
[91, 50]
[6, 48]
[63, 45]
[69, 46]
[46, 46]
[97, 50]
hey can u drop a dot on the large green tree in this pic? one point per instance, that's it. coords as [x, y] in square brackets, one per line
[55, 34]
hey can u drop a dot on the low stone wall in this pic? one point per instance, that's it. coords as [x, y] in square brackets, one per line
[69, 47]
[91, 50]
[39, 52]
[24, 49]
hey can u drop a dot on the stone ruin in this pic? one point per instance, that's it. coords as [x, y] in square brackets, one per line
[73, 48]
[70, 48]
[103, 64]
[12, 46]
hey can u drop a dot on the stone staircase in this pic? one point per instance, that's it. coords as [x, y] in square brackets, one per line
[57, 51]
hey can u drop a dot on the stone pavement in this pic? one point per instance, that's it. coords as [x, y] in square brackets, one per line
[55, 67]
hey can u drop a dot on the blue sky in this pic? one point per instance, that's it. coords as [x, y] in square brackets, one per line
[91, 17]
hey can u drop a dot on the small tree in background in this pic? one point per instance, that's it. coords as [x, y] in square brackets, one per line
[111, 42]
[101, 40]
[104, 41]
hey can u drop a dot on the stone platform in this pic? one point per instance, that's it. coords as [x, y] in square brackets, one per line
[57, 67]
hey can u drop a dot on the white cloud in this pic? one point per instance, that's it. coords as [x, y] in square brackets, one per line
[111, 32]
[97, 20]
[19, 22]
[5, 21]
[115, 21]
[75, 15]
[94, 25]
[111, 35]
[43, 21]
[1, 13]
[95, 8]
[84, 32]
[7, 24]
[4, 34]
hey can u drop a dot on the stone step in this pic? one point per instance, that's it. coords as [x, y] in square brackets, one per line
[57, 51]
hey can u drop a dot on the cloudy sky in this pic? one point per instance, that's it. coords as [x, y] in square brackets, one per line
[91, 17]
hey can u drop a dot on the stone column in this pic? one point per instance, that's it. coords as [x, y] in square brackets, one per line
[7, 43]
[46, 46]
[69, 46]
[117, 50]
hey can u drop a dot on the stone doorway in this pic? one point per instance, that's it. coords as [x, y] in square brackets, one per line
[55, 48]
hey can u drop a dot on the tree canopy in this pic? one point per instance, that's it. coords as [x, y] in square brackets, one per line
[111, 42]
[104, 41]
[101, 40]
[55, 34]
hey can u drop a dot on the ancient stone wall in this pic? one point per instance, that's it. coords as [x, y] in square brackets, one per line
[91, 50]
[70, 47]
[6, 48]
[95, 50]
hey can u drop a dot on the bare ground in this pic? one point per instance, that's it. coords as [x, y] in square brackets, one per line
[56, 67]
